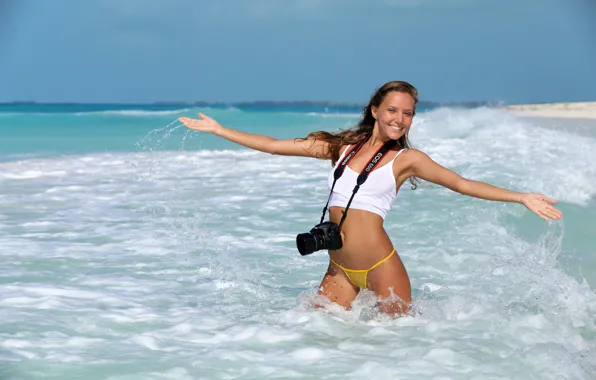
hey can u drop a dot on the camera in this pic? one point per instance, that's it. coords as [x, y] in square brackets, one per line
[325, 235]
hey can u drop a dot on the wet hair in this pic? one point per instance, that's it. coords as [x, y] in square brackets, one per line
[365, 125]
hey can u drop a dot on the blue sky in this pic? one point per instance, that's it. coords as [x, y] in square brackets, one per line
[341, 50]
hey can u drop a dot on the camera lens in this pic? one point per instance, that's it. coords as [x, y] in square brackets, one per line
[306, 243]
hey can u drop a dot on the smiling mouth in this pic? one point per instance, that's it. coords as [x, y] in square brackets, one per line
[398, 129]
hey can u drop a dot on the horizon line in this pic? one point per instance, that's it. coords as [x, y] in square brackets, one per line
[254, 102]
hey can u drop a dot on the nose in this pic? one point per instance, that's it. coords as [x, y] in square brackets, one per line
[399, 117]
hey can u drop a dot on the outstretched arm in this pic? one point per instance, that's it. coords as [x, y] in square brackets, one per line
[422, 166]
[290, 147]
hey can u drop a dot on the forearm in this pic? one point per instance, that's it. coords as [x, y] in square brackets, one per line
[249, 140]
[483, 190]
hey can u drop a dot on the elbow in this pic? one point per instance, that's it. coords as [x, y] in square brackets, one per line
[272, 147]
[463, 186]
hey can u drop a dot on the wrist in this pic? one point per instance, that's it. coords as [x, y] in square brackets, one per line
[520, 197]
[218, 130]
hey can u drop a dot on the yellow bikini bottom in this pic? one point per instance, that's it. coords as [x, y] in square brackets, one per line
[358, 276]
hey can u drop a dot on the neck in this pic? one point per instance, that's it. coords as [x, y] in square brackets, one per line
[376, 140]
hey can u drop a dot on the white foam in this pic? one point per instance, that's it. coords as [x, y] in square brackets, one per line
[308, 354]
[147, 342]
[183, 264]
[492, 145]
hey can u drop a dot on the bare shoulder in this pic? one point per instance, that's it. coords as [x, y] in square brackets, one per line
[408, 161]
[343, 148]
[411, 156]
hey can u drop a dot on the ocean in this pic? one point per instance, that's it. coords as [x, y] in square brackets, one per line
[133, 248]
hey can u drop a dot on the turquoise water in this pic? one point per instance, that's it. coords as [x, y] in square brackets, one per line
[51, 130]
[134, 249]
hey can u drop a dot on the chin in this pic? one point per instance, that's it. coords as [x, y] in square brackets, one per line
[400, 135]
[396, 135]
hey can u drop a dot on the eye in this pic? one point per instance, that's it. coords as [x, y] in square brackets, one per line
[392, 110]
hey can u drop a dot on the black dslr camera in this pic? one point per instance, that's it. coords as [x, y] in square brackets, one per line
[325, 235]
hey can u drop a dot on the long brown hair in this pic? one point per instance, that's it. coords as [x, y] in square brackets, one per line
[366, 124]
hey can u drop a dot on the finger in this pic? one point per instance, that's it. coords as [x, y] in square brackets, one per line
[551, 214]
[554, 211]
[549, 200]
[189, 124]
[541, 214]
[555, 214]
[207, 118]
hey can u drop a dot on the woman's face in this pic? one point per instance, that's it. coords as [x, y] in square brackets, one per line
[395, 114]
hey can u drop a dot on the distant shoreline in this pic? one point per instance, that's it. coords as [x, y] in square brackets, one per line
[575, 110]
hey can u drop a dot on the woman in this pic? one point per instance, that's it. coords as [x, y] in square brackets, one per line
[367, 258]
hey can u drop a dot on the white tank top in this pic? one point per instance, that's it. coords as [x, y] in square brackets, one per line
[376, 195]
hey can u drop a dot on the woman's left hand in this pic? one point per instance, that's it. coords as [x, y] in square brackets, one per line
[541, 206]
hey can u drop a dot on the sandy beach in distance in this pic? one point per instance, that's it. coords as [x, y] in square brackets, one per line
[583, 110]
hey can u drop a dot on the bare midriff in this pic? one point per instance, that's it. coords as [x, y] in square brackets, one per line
[365, 240]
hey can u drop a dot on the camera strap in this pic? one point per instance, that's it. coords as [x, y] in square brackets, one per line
[363, 174]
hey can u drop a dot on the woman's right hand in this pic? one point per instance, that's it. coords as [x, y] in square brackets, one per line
[203, 124]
